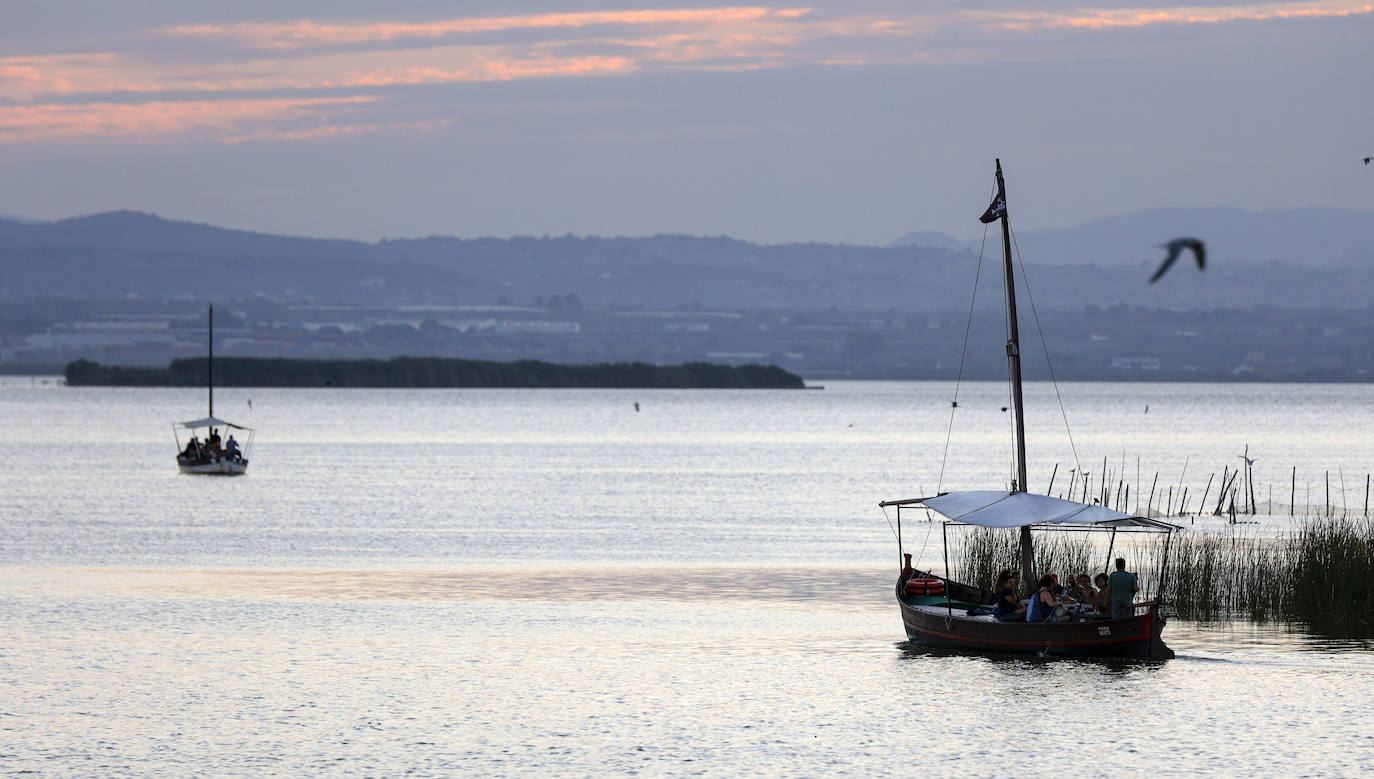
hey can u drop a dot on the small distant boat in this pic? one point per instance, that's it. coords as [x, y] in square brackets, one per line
[216, 453]
[939, 612]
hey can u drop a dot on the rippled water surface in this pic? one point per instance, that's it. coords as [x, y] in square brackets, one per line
[551, 583]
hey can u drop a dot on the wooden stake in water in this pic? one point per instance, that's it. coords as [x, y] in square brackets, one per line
[1221, 496]
[1293, 492]
[1328, 493]
[1225, 488]
[1341, 473]
[1250, 477]
[1102, 483]
[1055, 472]
[1202, 505]
[1366, 494]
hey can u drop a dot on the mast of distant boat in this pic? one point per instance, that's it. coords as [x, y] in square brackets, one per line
[210, 380]
[1014, 375]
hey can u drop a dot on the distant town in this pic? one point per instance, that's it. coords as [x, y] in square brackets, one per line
[1114, 343]
[1286, 296]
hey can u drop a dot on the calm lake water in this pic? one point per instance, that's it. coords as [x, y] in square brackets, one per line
[510, 582]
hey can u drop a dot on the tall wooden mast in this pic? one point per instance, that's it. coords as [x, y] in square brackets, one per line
[1014, 376]
[210, 365]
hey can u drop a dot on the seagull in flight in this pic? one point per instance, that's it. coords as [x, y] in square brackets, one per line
[1175, 247]
[1367, 159]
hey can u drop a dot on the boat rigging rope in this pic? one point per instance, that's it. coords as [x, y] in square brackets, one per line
[959, 377]
[1025, 281]
[890, 526]
[931, 526]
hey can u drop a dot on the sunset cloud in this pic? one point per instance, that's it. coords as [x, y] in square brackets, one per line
[1090, 18]
[286, 35]
[25, 78]
[210, 120]
[313, 71]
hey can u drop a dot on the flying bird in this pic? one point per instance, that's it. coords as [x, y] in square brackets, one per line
[1176, 247]
[1367, 159]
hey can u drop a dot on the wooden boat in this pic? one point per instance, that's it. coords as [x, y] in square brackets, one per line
[210, 455]
[939, 612]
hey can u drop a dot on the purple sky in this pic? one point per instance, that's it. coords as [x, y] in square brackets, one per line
[850, 121]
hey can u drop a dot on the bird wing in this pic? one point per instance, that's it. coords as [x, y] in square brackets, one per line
[1200, 251]
[1174, 249]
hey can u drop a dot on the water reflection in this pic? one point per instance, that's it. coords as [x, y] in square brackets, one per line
[915, 652]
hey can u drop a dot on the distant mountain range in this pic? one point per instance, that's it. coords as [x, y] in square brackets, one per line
[1317, 237]
[1324, 259]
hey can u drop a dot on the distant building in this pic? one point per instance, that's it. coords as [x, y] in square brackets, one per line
[1135, 363]
[539, 326]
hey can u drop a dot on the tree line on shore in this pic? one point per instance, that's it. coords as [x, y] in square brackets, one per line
[420, 372]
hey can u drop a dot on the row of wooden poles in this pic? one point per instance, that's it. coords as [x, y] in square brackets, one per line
[1235, 497]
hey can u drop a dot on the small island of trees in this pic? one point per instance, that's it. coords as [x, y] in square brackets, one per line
[419, 372]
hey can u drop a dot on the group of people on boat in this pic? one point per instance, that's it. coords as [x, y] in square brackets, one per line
[1080, 598]
[212, 449]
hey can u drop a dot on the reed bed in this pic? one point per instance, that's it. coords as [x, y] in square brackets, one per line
[982, 553]
[1321, 576]
[1333, 572]
[1214, 576]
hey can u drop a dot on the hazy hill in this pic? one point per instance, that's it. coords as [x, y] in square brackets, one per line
[136, 231]
[1319, 237]
[129, 253]
[132, 254]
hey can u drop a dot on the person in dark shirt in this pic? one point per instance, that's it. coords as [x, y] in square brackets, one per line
[1123, 586]
[1009, 608]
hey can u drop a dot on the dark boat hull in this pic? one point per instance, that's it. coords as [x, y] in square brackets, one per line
[952, 628]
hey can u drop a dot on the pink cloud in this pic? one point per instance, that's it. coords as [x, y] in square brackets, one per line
[296, 56]
[23, 78]
[303, 33]
[205, 120]
[1087, 18]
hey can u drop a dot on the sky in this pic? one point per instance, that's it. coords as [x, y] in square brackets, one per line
[851, 121]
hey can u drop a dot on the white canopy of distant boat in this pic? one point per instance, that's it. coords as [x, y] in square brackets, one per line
[212, 454]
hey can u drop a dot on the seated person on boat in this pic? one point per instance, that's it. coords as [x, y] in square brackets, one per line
[1009, 608]
[1042, 605]
[1102, 597]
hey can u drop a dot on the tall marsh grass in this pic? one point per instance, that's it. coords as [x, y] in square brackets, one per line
[1333, 572]
[1321, 576]
[982, 553]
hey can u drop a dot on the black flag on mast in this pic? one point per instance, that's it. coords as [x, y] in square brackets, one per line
[996, 211]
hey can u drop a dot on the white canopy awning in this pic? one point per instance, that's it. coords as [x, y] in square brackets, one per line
[994, 508]
[210, 422]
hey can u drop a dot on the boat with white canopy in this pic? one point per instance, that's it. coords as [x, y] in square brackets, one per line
[939, 612]
[208, 450]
